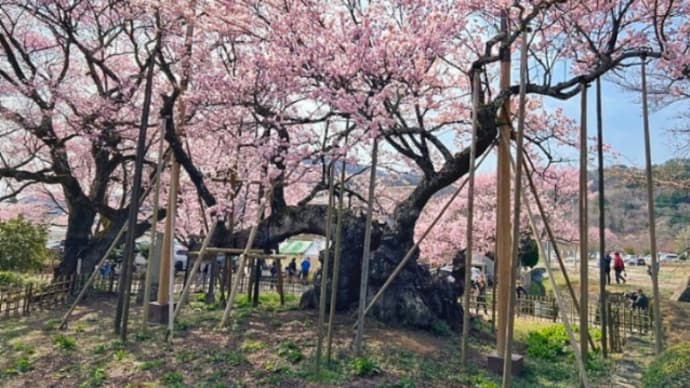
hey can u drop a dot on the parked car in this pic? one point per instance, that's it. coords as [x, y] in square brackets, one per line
[669, 257]
[634, 260]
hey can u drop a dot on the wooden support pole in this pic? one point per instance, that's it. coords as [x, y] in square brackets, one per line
[250, 282]
[92, 277]
[415, 247]
[554, 243]
[279, 282]
[602, 222]
[559, 300]
[243, 259]
[257, 282]
[364, 282]
[470, 218]
[154, 235]
[336, 262]
[503, 190]
[584, 226]
[325, 267]
[658, 334]
[122, 312]
[508, 351]
[195, 269]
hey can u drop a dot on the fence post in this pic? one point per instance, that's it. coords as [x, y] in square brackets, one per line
[281, 291]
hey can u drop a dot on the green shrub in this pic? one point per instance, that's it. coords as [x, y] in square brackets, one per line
[173, 379]
[232, 358]
[364, 367]
[251, 346]
[96, 378]
[152, 364]
[22, 245]
[65, 342]
[549, 343]
[441, 329]
[23, 364]
[290, 352]
[670, 368]
[9, 278]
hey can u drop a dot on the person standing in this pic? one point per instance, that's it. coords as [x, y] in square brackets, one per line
[606, 265]
[619, 267]
[306, 264]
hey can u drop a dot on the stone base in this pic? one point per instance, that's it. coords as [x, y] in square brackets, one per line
[158, 313]
[495, 363]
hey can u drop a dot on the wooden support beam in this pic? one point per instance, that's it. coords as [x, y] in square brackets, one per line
[508, 351]
[584, 226]
[324, 268]
[658, 334]
[503, 190]
[602, 223]
[364, 282]
[476, 85]
[336, 262]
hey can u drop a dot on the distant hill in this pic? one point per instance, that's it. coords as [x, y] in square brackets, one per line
[625, 195]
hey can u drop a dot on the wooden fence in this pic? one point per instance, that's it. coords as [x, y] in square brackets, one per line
[47, 294]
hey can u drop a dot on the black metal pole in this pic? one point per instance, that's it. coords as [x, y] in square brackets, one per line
[122, 313]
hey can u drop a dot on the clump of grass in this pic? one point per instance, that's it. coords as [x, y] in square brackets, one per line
[251, 346]
[290, 351]
[173, 379]
[441, 329]
[65, 342]
[232, 358]
[100, 349]
[23, 364]
[120, 354]
[23, 347]
[364, 367]
[185, 356]
[96, 378]
[152, 364]
[51, 324]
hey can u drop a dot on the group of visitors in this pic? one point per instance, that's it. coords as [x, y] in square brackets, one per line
[303, 274]
[618, 267]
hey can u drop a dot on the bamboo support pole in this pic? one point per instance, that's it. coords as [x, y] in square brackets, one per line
[602, 222]
[410, 253]
[336, 264]
[364, 283]
[508, 350]
[243, 259]
[584, 226]
[325, 268]
[658, 339]
[470, 218]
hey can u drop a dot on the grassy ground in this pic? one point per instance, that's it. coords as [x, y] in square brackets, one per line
[267, 346]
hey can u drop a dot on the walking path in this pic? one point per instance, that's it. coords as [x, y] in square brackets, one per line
[628, 367]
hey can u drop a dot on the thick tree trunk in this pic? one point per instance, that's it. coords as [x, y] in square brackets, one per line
[79, 223]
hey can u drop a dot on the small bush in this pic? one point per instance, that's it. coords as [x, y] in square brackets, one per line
[23, 364]
[231, 358]
[251, 346]
[65, 342]
[670, 368]
[9, 278]
[290, 352]
[23, 347]
[100, 349]
[549, 343]
[120, 354]
[441, 329]
[152, 364]
[96, 378]
[173, 379]
[22, 245]
[185, 356]
[364, 367]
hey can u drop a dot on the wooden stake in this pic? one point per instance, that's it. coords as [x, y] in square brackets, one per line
[243, 259]
[470, 217]
[503, 190]
[325, 267]
[584, 226]
[154, 236]
[508, 351]
[658, 335]
[364, 282]
[336, 263]
[415, 247]
[602, 222]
